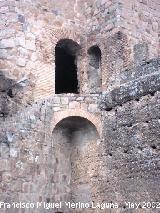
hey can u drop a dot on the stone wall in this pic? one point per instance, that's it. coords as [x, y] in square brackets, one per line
[134, 83]
[131, 152]
[140, 20]
[111, 153]
[122, 166]
[34, 158]
[28, 39]
[12, 93]
[127, 32]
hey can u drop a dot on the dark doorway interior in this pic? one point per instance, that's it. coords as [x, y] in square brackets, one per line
[66, 68]
[94, 53]
[94, 69]
[75, 146]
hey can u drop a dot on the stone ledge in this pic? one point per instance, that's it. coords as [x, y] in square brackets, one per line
[140, 70]
[133, 90]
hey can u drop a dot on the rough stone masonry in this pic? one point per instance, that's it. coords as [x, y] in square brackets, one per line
[79, 106]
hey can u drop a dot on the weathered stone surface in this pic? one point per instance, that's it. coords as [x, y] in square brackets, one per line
[3, 54]
[133, 90]
[146, 68]
[140, 53]
[100, 144]
[7, 43]
[132, 143]
[21, 62]
[74, 105]
[12, 94]
[30, 45]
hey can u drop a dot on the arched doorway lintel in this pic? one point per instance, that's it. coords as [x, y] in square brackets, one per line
[94, 119]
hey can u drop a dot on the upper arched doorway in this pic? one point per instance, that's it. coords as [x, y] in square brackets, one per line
[66, 78]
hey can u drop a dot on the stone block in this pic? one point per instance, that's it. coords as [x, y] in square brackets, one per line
[4, 165]
[140, 53]
[80, 99]
[30, 45]
[84, 106]
[13, 152]
[74, 105]
[34, 57]
[7, 43]
[92, 107]
[64, 100]
[6, 177]
[4, 9]
[56, 100]
[6, 33]
[21, 62]
[103, 2]
[3, 54]
[16, 186]
[26, 187]
[23, 52]
[21, 18]
[20, 41]
[56, 109]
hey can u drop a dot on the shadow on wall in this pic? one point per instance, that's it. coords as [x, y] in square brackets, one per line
[13, 94]
[74, 142]
[94, 69]
[66, 71]
[66, 79]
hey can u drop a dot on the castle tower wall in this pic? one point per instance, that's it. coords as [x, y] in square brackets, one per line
[116, 41]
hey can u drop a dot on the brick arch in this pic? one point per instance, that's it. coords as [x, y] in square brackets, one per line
[67, 35]
[94, 119]
[100, 42]
[45, 44]
[57, 35]
[50, 37]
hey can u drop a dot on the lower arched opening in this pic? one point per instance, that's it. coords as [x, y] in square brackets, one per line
[74, 145]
